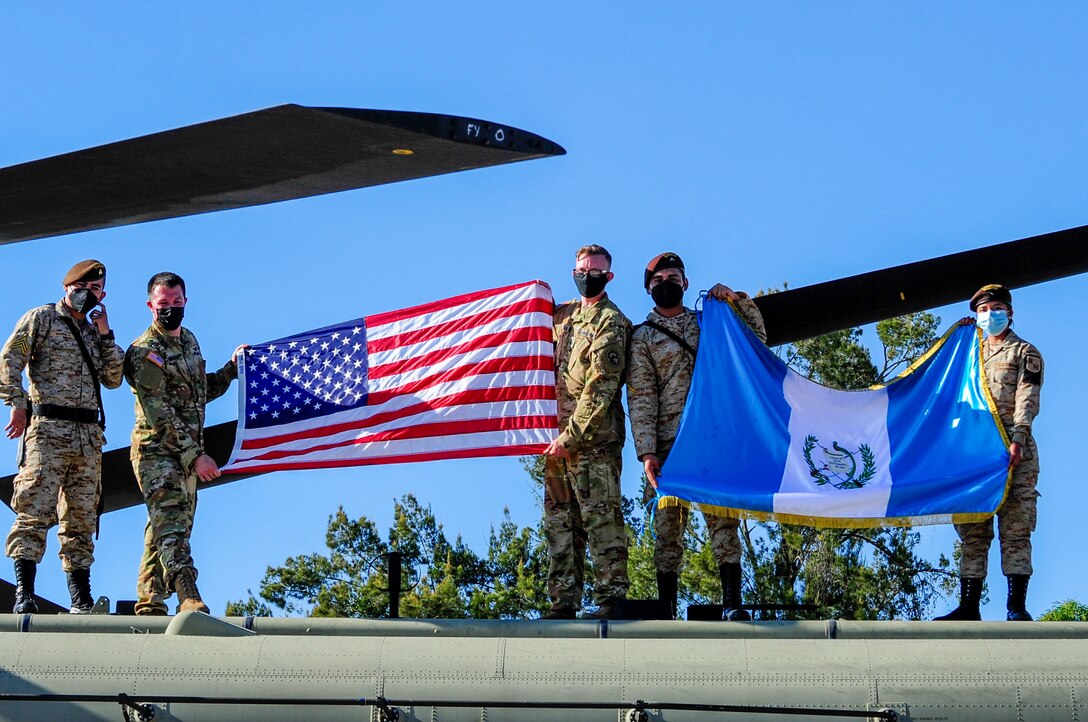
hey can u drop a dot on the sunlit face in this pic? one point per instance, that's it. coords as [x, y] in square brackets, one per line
[669, 274]
[593, 264]
[97, 287]
[993, 306]
[166, 297]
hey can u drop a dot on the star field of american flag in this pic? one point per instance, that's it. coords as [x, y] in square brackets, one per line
[303, 377]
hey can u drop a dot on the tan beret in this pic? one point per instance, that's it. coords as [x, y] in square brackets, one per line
[991, 292]
[89, 270]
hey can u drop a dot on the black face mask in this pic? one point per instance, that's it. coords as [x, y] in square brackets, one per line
[170, 318]
[82, 300]
[667, 294]
[588, 286]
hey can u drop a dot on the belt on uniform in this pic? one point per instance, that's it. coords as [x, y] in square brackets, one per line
[66, 413]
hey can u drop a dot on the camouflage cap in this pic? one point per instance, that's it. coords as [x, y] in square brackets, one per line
[991, 292]
[659, 263]
[89, 270]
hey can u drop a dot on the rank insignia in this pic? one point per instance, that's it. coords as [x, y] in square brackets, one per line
[21, 343]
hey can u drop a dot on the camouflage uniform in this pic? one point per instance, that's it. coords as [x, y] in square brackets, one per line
[1014, 370]
[61, 466]
[582, 501]
[659, 376]
[169, 379]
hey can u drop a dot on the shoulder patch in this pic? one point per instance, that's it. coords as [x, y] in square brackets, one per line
[21, 343]
[1033, 369]
[155, 359]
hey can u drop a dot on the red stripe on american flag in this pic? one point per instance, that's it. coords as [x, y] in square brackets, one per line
[489, 340]
[490, 366]
[532, 305]
[380, 319]
[471, 396]
[420, 431]
[512, 450]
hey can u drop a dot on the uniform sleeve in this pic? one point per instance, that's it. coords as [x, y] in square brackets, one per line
[148, 381]
[220, 381]
[1028, 387]
[749, 311]
[14, 357]
[642, 401]
[112, 367]
[603, 379]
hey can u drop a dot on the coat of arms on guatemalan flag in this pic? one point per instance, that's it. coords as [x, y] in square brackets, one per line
[759, 440]
[467, 376]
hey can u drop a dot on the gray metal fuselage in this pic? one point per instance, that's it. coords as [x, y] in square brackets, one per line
[920, 670]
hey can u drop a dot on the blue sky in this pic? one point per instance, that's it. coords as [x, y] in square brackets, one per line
[765, 143]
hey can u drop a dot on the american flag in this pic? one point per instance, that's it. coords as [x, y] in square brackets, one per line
[467, 376]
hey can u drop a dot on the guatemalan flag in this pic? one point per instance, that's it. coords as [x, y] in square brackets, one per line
[759, 440]
[467, 376]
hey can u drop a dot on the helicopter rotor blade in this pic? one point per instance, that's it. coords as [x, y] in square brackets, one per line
[271, 155]
[809, 311]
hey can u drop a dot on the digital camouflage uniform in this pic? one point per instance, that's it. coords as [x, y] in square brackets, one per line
[61, 466]
[658, 379]
[582, 501]
[172, 387]
[1014, 370]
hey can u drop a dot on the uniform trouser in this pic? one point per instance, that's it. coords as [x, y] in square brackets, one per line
[582, 504]
[56, 483]
[1015, 523]
[669, 526]
[170, 495]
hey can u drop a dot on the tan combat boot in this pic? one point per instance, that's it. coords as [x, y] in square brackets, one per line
[188, 595]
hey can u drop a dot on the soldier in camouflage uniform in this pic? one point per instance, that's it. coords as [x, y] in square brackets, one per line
[167, 374]
[582, 501]
[1014, 372]
[60, 465]
[659, 374]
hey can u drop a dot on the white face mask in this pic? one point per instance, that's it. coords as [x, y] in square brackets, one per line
[993, 323]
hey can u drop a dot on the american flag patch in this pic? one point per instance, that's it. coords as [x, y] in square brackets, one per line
[155, 359]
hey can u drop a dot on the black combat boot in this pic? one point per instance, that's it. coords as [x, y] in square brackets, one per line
[1018, 593]
[79, 586]
[970, 596]
[560, 611]
[25, 571]
[667, 583]
[731, 594]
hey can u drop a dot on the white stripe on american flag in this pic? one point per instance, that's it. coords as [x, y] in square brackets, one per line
[468, 376]
[375, 452]
[379, 327]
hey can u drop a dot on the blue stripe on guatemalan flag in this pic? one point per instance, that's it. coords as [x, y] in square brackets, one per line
[759, 440]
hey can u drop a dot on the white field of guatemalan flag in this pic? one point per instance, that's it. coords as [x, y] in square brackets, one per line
[468, 376]
[758, 440]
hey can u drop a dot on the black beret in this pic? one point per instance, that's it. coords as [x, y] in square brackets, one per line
[659, 263]
[89, 270]
[991, 292]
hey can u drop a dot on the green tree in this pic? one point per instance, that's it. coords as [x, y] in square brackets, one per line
[1068, 611]
[445, 580]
